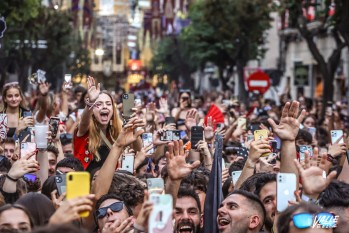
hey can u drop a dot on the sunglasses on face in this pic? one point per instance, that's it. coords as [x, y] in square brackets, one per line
[115, 207]
[307, 220]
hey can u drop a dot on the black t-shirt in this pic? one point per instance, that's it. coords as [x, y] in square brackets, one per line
[103, 153]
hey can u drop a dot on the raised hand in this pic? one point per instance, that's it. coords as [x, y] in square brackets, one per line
[69, 210]
[118, 227]
[288, 127]
[93, 90]
[208, 129]
[25, 122]
[190, 119]
[144, 213]
[337, 149]
[257, 148]
[129, 134]
[23, 166]
[177, 167]
[57, 201]
[312, 174]
[164, 109]
[44, 87]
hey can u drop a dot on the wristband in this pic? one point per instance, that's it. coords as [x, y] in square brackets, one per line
[330, 158]
[10, 178]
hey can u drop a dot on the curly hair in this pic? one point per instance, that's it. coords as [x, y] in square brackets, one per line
[198, 179]
[129, 188]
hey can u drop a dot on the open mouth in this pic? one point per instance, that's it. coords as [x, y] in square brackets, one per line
[185, 227]
[104, 116]
[223, 222]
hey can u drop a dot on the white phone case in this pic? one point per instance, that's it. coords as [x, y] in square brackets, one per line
[160, 219]
[335, 135]
[286, 185]
[128, 162]
[235, 176]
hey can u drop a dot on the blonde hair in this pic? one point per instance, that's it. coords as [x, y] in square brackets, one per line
[113, 130]
[3, 107]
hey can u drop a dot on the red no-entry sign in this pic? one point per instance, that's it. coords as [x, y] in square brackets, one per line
[258, 81]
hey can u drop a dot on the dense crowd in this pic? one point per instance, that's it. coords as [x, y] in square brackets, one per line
[89, 160]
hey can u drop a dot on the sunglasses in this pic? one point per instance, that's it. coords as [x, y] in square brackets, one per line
[307, 220]
[66, 136]
[115, 207]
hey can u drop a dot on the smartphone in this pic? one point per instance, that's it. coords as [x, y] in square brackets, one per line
[250, 137]
[169, 120]
[254, 127]
[27, 114]
[312, 131]
[127, 163]
[260, 134]
[27, 148]
[78, 184]
[147, 139]
[303, 149]
[155, 185]
[170, 135]
[271, 155]
[348, 156]
[3, 126]
[61, 184]
[80, 111]
[197, 134]
[337, 136]
[223, 164]
[241, 122]
[285, 187]
[128, 102]
[273, 144]
[41, 76]
[67, 79]
[30, 176]
[235, 176]
[160, 219]
[54, 124]
[219, 126]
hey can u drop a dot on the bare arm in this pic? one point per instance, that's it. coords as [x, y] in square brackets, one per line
[287, 131]
[42, 158]
[105, 176]
[93, 93]
[64, 107]
[43, 100]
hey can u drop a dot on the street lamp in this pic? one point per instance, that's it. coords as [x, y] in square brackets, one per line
[99, 52]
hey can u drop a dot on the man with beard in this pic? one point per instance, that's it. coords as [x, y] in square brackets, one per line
[266, 191]
[241, 212]
[188, 212]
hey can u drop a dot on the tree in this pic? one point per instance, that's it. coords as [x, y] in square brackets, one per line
[228, 34]
[336, 25]
[171, 58]
[29, 22]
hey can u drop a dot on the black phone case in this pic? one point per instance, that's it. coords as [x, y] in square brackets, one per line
[197, 134]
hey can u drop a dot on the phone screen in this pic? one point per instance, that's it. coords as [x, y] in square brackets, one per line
[197, 134]
[147, 140]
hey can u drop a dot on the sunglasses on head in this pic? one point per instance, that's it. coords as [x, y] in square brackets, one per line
[307, 220]
[115, 207]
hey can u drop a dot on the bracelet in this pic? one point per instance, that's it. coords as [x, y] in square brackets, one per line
[330, 158]
[43, 94]
[10, 178]
[206, 165]
[138, 227]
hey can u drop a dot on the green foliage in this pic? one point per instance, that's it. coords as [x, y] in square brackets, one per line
[28, 22]
[221, 32]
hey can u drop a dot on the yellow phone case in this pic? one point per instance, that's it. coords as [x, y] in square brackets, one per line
[261, 134]
[78, 184]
